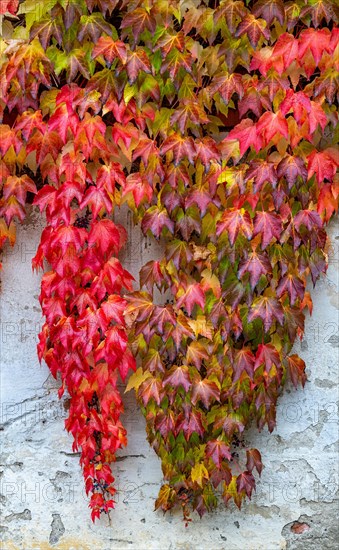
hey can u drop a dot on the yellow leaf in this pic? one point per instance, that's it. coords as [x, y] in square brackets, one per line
[201, 326]
[136, 379]
[198, 473]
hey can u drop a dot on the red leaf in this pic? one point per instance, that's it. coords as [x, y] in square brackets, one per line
[243, 362]
[233, 221]
[247, 135]
[291, 168]
[270, 10]
[151, 388]
[139, 187]
[155, 220]
[267, 355]
[97, 199]
[113, 309]
[254, 28]
[9, 6]
[217, 451]
[256, 265]
[271, 124]
[318, 41]
[254, 460]
[27, 123]
[193, 295]
[18, 187]
[296, 367]
[294, 287]
[178, 376]
[9, 138]
[205, 391]
[105, 235]
[110, 49]
[268, 309]
[137, 61]
[180, 146]
[268, 225]
[227, 85]
[324, 164]
[246, 482]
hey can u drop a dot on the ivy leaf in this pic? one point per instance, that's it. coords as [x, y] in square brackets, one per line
[247, 135]
[267, 355]
[324, 164]
[140, 306]
[10, 6]
[270, 10]
[93, 26]
[192, 295]
[256, 265]
[233, 11]
[150, 389]
[165, 498]
[217, 451]
[174, 61]
[18, 187]
[110, 49]
[98, 200]
[150, 275]
[48, 144]
[193, 423]
[136, 379]
[294, 287]
[324, 9]
[161, 316]
[254, 28]
[139, 20]
[190, 112]
[227, 85]
[155, 220]
[178, 376]
[139, 187]
[233, 221]
[268, 225]
[317, 41]
[205, 391]
[268, 309]
[271, 124]
[179, 252]
[196, 354]
[180, 146]
[254, 460]
[206, 150]
[291, 167]
[261, 172]
[230, 423]
[328, 202]
[137, 61]
[296, 367]
[243, 362]
[308, 218]
[105, 235]
[27, 122]
[45, 29]
[246, 482]
[199, 472]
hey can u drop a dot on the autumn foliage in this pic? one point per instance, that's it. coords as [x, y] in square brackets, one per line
[217, 123]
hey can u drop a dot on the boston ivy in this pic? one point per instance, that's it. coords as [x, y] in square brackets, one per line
[217, 123]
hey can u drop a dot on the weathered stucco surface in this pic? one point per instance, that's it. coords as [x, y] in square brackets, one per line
[42, 500]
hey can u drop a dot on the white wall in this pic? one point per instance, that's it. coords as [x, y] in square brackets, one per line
[41, 495]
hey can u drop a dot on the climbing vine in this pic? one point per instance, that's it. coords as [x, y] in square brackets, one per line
[217, 123]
